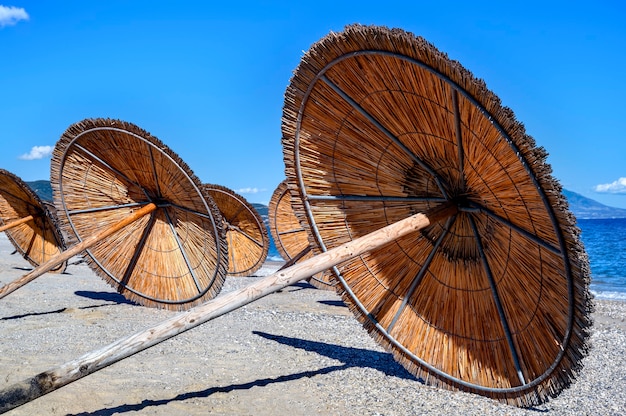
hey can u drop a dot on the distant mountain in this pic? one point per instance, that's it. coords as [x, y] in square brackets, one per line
[586, 208]
[582, 207]
[42, 189]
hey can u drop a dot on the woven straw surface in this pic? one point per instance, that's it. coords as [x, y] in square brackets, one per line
[379, 125]
[102, 171]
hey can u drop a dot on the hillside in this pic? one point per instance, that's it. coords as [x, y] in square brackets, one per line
[42, 189]
[582, 207]
[586, 208]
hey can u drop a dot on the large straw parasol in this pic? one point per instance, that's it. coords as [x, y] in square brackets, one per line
[105, 171]
[291, 239]
[379, 125]
[28, 222]
[248, 242]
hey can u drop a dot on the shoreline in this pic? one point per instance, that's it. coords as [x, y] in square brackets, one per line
[298, 351]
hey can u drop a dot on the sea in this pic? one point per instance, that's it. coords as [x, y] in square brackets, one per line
[605, 243]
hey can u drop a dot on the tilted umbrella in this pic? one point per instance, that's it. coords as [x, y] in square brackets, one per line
[246, 234]
[291, 239]
[378, 125]
[28, 222]
[138, 214]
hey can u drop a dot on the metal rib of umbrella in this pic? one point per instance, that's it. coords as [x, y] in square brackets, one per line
[379, 125]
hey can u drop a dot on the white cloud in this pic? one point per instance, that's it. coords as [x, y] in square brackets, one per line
[249, 191]
[37, 152]
[10, 15]
[616, 187]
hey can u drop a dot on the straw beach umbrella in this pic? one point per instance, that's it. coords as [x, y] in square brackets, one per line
[291, 239]
[379, 125]
[28, 222]
[101, 172]
[246, 234]
[138, 214]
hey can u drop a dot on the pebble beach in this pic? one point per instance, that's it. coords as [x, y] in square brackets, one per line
[298, 352]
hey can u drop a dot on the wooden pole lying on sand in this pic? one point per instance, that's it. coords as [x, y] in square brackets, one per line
[74, 250]
[15, 223]
[48, 381]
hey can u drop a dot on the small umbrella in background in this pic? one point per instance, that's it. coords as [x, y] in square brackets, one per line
[246, 235]
[291, 239]
[28, 222]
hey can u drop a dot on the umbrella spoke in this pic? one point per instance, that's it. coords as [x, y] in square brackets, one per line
[138, 250]
[246, 235]
[111, 168]
[385, 131]
[107, 208]
[183, 252]
[295, 230]
[536, 239]
[420, 275]
[30, 245]
[375, 198]
[154, 172]
[192, 211]
[496, 298]
[459, 137]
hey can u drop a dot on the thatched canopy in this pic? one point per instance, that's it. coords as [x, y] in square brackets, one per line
[291, 238]
[37, 239]
[102, 171]
[246, 234]
[379, 125]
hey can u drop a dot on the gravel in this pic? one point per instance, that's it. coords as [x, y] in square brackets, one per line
[298, 351]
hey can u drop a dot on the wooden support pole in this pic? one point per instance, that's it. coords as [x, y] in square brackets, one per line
[74, 250]
[15, 223]
[48, 381]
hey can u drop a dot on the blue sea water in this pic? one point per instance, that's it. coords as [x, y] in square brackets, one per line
[605, 243]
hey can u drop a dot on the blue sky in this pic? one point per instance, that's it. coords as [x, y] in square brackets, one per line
[208, 78]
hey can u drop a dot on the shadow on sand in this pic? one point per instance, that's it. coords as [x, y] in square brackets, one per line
[102, 296]
[350, 357]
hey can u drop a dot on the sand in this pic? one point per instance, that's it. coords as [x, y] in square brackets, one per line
[297, 352]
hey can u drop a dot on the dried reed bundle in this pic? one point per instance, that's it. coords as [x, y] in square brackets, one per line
[246, 234]
[102, 171]
[379, 125]
[291, 239]
[39, 238]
